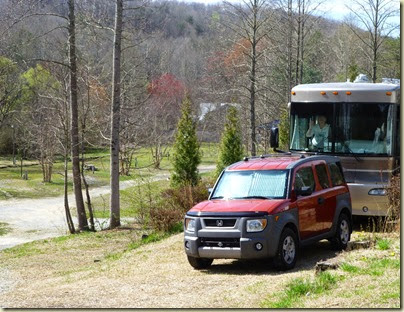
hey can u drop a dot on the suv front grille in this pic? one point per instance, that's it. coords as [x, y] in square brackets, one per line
[220, 242]
[220, 222]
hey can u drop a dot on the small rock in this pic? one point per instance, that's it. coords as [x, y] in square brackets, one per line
[324, 266]
[144, 236]
[97, 260]
[358, 245]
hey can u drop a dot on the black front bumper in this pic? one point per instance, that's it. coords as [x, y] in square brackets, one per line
[213, 240]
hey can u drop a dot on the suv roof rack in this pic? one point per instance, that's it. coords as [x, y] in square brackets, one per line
[263, 156]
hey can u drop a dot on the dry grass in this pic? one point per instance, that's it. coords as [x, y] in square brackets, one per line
[94, 271]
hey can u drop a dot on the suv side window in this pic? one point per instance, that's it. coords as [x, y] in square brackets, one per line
[322, 176]
[337, 178]
[304, 177]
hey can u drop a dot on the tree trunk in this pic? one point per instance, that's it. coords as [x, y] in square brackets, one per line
[375, 43]
[81, 213]
[302, 42]
[253, 81]
[290, 25]
[115, 118]
[69, 219]
[83, 134]
[299, 37]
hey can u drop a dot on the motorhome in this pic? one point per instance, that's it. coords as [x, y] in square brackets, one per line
[357, 121]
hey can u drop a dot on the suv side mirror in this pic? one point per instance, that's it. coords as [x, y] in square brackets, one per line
[304, 191]
[274, 137]
[210, 190]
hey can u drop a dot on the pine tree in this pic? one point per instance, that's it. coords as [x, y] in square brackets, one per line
[186, 156]
[284, 130]
[231, 147]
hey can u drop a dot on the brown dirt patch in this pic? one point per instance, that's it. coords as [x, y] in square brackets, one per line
[94, 273]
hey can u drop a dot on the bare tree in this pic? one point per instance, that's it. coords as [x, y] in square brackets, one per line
[10, 88]
[115, 117]
[63, 113]
[81, 213]
[250, 21]
[375, 17]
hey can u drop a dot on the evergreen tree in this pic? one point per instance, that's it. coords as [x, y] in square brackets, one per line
[186, 156]
[231, 146]
[284, 130]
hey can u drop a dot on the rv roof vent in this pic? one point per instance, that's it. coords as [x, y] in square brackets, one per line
[391, 80]
[361, 78]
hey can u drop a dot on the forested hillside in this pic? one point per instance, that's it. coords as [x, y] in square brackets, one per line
[169, 48]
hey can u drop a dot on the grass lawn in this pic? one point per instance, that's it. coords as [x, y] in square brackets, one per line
[13, 186]
[4, 228]
[119, 267]
[132, 199]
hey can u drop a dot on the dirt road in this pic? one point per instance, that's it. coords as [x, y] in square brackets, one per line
[34, 219]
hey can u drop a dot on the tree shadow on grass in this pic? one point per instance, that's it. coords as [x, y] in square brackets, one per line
[307, 258]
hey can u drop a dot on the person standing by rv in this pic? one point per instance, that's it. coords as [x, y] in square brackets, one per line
[319, 132]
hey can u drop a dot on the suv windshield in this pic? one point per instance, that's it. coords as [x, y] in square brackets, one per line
[263, 184]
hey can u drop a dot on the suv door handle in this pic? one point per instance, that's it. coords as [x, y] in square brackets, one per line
[321, 200]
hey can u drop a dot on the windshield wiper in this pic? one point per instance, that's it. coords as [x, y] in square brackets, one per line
[253, 197]
[217, 197]
[355, 155]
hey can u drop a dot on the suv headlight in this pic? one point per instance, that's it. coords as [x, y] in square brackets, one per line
[190, 224]
[256, 225]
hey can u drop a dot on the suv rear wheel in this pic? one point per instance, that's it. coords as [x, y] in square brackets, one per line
[287, 250]
[199, 263]
[342, 234]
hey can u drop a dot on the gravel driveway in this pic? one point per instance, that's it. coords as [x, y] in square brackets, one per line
[34, 219]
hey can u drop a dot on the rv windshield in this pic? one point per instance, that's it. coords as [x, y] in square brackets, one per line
[348, 128]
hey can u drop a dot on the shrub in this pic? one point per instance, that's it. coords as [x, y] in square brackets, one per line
[175, 202]
[393, 194]
[392, 221]
[164, 218]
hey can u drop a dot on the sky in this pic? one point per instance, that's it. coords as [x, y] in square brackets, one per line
[336, 10]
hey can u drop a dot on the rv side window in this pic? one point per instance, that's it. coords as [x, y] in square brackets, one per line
[364, 128]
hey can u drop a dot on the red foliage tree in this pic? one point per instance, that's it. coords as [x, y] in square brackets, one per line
[166, 90]
[166, 93]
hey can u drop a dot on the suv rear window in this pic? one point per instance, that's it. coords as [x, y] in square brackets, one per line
[322, 176]
[337, 178]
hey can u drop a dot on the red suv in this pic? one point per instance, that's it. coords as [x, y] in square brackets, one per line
[267, 207]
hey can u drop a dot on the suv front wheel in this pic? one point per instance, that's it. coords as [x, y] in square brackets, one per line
[287, 250]
[199, 263]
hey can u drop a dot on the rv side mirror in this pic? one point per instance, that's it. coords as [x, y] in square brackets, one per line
[274, 137]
